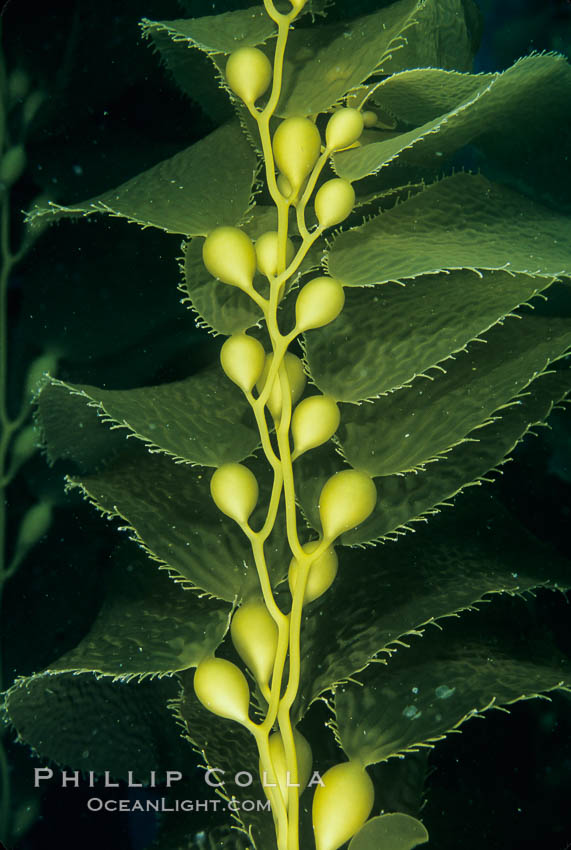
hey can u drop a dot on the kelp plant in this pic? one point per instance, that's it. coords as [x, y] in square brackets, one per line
[19, 103]
[381, 356]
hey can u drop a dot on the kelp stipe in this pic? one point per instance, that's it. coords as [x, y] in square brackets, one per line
[381, 356]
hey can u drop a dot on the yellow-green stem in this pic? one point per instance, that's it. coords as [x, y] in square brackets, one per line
[274, 794]
[286, 818]
[263, 117]
[258, 410]
[302, 203]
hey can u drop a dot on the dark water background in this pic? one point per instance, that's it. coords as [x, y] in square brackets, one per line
[111, 111]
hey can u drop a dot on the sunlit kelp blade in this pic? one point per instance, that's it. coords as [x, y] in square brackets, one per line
[70, 430]
[188, 47]
[97, 724]
[202, 187]
[462, 221]
[420, 95]
[404, 330]
[221, 33]
[449, 110]
[426, 143]
[213, 33]
[167, 506]
[493, 657]
[446, 35]
[169, 510]
[467, 553]
[355, 54]
[406, 498]
[400, 431]
[395, 831]
[148, 625]
[203, 419]
[323, 64]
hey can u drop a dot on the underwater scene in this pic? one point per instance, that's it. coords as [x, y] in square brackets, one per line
[285, 442]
